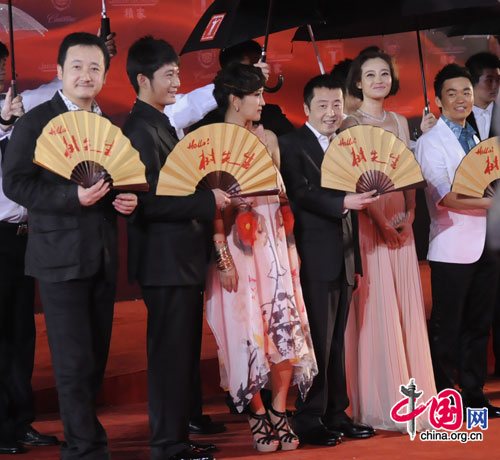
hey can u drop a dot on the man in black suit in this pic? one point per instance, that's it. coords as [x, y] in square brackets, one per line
[485, 72]
[17, 321]
[326, 234]
[72, 248]
[168, 254]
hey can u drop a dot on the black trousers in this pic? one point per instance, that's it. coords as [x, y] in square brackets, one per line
[79, 318]
[459, 328]
[496, 330]
[17, 335]
[327, 305]
[173, 345]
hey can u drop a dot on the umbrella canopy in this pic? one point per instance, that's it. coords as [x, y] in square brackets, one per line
[228, 22]
[23, 23]
[353, 19]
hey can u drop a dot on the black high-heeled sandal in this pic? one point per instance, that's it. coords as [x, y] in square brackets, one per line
[264, 439]
[288, 439]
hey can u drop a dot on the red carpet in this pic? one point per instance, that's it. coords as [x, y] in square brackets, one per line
[123, 408]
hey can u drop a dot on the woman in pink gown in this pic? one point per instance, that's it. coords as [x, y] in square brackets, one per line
[254, 300]
[386, 334]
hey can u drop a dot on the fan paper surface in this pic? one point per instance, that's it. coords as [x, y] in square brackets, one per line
[478, 170]
[85, 147]
[364, 158]
[220, 155]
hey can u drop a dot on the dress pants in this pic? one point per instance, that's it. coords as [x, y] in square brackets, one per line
[79, 318]
[17, 335]
[496, 330]
[327, 306]
[459, 329]
[174, 317]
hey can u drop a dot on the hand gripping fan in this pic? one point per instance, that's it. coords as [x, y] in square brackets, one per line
[478, 170]
[220, 155]
[364, 158]
[85, 147]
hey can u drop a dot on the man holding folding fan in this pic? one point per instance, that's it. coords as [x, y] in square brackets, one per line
[168, 255]
[72, 248]
[461, 267]
[326, 234]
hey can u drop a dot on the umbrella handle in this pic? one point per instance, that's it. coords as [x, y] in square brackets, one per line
[275, 88]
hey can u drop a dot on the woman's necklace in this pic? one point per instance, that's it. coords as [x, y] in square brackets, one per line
[371, 117]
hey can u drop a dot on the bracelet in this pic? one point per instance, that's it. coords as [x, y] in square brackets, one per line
[220, 241]
[224, 260]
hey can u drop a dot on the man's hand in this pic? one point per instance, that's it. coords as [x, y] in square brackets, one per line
[91, 195]
[222, 199]
[11, 107]
[125, 203]
[428, 121]
[109, 43]
[359, 201]
[264, 66]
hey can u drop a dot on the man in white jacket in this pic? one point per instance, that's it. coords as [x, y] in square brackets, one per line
[461, 267]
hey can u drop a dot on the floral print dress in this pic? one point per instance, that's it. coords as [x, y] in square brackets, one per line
[264, 322]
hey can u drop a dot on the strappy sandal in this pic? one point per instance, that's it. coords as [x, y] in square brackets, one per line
[264, 439]
[288, 439]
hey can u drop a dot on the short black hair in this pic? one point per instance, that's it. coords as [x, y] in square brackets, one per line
[146, 56]
[341, 70]
[4, 52]
[237, 52]
[354, 75]
[447, 73]
[83, 39]
[238, 79]
[480, 61]
[319, 81]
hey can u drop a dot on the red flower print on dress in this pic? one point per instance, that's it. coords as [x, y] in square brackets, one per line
[288, 219]
[246, 225]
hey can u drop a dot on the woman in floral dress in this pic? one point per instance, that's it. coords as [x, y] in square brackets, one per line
[254, 300]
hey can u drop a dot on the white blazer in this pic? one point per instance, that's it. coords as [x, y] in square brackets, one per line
[455, 236]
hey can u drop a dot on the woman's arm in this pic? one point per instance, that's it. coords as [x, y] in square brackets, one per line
[228, 276]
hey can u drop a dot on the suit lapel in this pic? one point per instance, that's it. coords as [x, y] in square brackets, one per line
[161, 124]
[311, 147]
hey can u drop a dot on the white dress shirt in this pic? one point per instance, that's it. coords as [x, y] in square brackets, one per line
[323, 140]
[483, 119]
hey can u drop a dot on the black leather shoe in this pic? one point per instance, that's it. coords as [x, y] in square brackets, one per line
[202, 447]
[319, 436]
[353, 430]
[205, 425]
[11, 447]
[190, 454]
[493, 411]
[30, 437]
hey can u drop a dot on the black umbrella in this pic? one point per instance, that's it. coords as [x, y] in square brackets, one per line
[228, 22]
[356, 19]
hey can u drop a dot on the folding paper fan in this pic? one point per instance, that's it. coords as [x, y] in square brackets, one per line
[364, 158]
[85, 147]
[220, 155]
[478, 170]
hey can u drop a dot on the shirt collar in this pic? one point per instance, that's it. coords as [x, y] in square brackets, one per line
[488, 110]
[71, 106]
[323, 140]
[457, 129]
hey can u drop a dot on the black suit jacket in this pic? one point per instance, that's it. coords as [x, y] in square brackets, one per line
[493, 128]
[66, 240]
[167, 238]
[319, 220]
